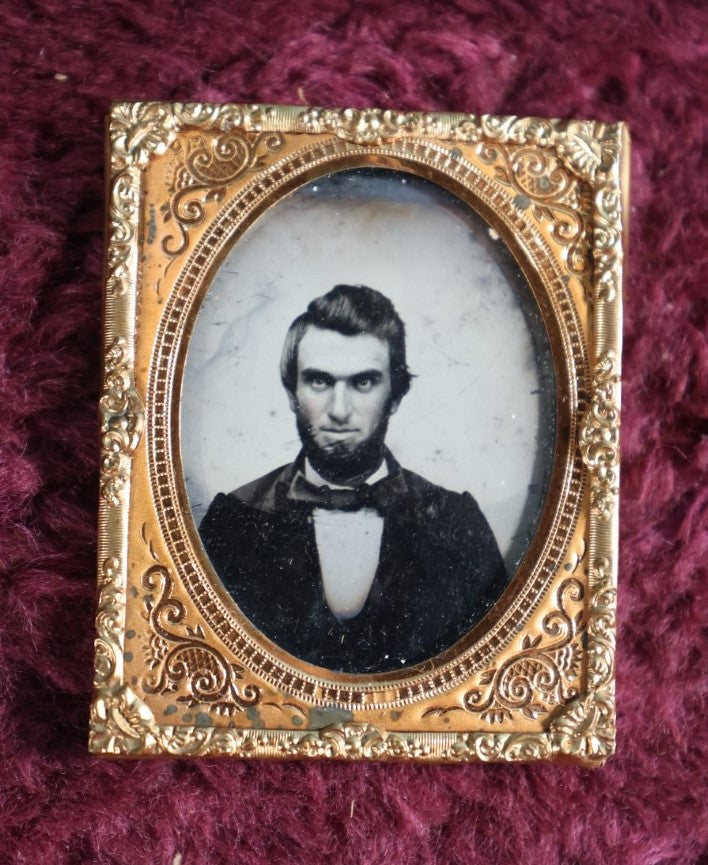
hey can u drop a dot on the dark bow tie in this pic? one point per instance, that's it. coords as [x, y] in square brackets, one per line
[379, 496]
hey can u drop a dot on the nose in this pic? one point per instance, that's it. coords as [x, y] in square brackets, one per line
[339, 407]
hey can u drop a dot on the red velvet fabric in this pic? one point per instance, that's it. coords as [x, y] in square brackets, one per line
[61, 62]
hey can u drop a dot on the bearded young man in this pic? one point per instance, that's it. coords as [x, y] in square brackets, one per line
[342, 557]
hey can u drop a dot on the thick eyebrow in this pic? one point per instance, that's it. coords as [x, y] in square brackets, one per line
[373, 374]
[310, 373]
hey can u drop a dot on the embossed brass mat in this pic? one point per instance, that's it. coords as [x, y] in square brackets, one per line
[179, 671]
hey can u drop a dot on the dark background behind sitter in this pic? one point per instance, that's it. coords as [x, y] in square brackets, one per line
[61, 63]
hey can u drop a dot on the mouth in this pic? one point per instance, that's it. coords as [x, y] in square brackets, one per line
[332, 437]
[338, 431]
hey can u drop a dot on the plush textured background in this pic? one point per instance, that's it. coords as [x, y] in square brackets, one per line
[61, 62]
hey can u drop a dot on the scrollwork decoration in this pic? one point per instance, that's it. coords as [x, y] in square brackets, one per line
[209, 166]
[539, 676]
[353, 740]
[499, 747]
[602, 624]
[599, 436]
[586, 727]
[119, 720]
[122, 419]
[591, 152]
[607, 243]
[122, 724]
[123, 213]
[554, 194]
[110, 618]
[368, 126]
[569, 171]
[140, 129]
[364, 741]
[143, 129]
[179, 655]
[588, 149]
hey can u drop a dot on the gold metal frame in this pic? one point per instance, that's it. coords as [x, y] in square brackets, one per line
[179, 671]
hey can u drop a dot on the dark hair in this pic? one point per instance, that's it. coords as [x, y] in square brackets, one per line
[351, 310]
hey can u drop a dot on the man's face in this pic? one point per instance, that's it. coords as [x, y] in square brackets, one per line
[343, 400]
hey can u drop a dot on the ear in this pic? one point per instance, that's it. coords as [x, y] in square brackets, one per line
[292, 401]
[393, 408]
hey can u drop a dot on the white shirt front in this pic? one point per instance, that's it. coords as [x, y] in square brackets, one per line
[349, 545]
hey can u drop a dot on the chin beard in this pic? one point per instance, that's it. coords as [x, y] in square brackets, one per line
[340, 463]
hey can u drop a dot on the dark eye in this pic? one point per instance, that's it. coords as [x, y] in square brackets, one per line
[365, 383]
[318, 381]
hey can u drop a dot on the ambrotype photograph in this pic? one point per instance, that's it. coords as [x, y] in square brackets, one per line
[367, 421]
[360, 435]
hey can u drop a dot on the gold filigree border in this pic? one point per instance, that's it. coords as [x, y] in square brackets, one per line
[599, 436]
[122, 419]
[537, 678]
[207, 170]
[123, 725]
[186, 290]
[181, 659]
[554, 195]
[584, 729]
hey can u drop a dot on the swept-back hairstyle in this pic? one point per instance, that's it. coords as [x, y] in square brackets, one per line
[351, 310]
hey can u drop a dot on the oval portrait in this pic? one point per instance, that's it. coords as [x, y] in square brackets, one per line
[367, 421]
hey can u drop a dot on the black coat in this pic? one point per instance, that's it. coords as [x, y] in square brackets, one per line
[439, 572]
